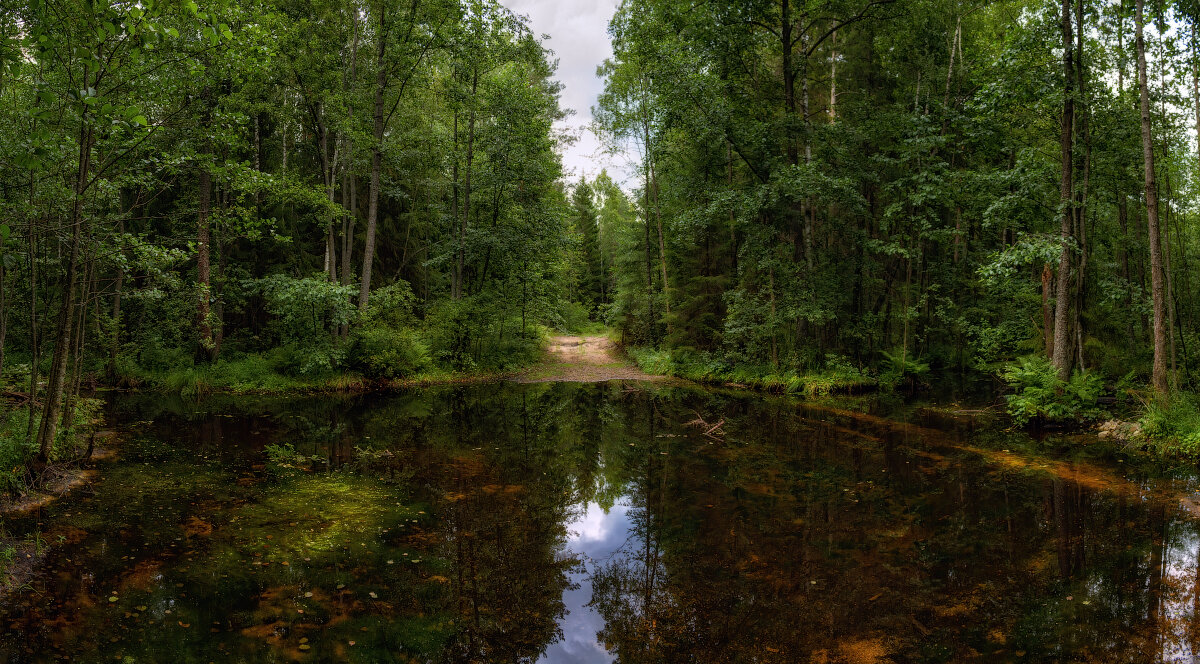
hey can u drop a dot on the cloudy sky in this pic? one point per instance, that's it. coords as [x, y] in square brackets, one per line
[577, 32]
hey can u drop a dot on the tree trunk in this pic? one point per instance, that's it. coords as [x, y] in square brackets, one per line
[34, 348]
[456, 277]
[1047, 310]
[465, 221]
[833, 59]
[364, 290]
[1062, 293]
[662, 248]
[348, 180]
[1196, 81]
[1157, 281]
[52, 407]
[206, 348]
[114, 342]
[86, 288]
[3, 316]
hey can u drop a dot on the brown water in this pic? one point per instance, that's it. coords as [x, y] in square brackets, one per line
[602, 522]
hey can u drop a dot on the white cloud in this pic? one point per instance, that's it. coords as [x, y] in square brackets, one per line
[578, 35]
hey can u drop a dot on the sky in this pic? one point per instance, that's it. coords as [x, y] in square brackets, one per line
[577, 32]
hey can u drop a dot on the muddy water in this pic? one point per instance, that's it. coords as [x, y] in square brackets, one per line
[602, 522]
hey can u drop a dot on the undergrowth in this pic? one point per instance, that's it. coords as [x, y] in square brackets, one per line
[1171, 426]
[838, 375]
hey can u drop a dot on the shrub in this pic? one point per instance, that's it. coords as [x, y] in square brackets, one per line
[1172, 426]
[392, 305]
[900, 369]
[576, 319]
[305, 309]
[1039, 394]
[385, 352]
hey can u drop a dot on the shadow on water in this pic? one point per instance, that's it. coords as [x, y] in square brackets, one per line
[596, 523]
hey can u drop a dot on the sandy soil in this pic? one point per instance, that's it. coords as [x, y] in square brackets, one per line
[583, 360]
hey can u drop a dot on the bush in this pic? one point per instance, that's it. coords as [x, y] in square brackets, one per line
[305, 309]
[15, 451]
[392, 306]
[1172, 426]
[478, 333]
[576, 319]
[1039, 394]
[898, 369]
[383, 352]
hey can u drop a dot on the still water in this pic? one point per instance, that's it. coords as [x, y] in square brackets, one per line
[603, 522]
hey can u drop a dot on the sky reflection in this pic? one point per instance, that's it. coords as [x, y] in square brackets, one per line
[594, 536]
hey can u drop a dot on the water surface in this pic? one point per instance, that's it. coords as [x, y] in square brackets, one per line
[598, 523]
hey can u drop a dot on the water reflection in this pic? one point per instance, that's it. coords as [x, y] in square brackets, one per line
[599, 523]
[596, 536]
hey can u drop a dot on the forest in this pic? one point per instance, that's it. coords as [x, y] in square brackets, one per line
[822, 196]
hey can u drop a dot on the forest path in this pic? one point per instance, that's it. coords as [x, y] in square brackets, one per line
[582, 359]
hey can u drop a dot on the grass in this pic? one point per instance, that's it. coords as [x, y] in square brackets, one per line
[1171, 427]
[262, 374]
[835, 379]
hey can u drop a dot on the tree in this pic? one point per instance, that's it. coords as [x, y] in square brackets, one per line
[591, 288]
[1157, 280]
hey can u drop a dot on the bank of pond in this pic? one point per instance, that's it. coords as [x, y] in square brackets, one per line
[597, 522]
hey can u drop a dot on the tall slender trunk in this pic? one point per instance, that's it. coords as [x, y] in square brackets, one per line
[1048, 309]
[3, 318]
[456, 278]
[1157, 280]
[954, 41]
[662, 248]
[52, 407]
[650, 322]
[809, 210]
[34, 348]
[1196, 81]
[364, 290]
[465, 220]
[206, 348]
[1062, 293]
[71, 398]
[833, 60]
[330, 166]
[733, 245]
[1083, 118]
[348, 180]
[1166, 239]
[350, 194]
[114, 342]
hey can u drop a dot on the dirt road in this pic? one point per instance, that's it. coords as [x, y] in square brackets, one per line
[581, 359]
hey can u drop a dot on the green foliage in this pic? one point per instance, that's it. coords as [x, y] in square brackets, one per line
[306, 310]
[1171, 426]
[15, 450]
[900, 369]
[838, 375]
[386, 352]
[1039, 395]
[474, 334]
[576, 319]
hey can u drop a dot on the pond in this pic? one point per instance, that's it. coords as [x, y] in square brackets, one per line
[601, 522]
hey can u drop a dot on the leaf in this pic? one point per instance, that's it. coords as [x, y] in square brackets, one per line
[141, 119]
